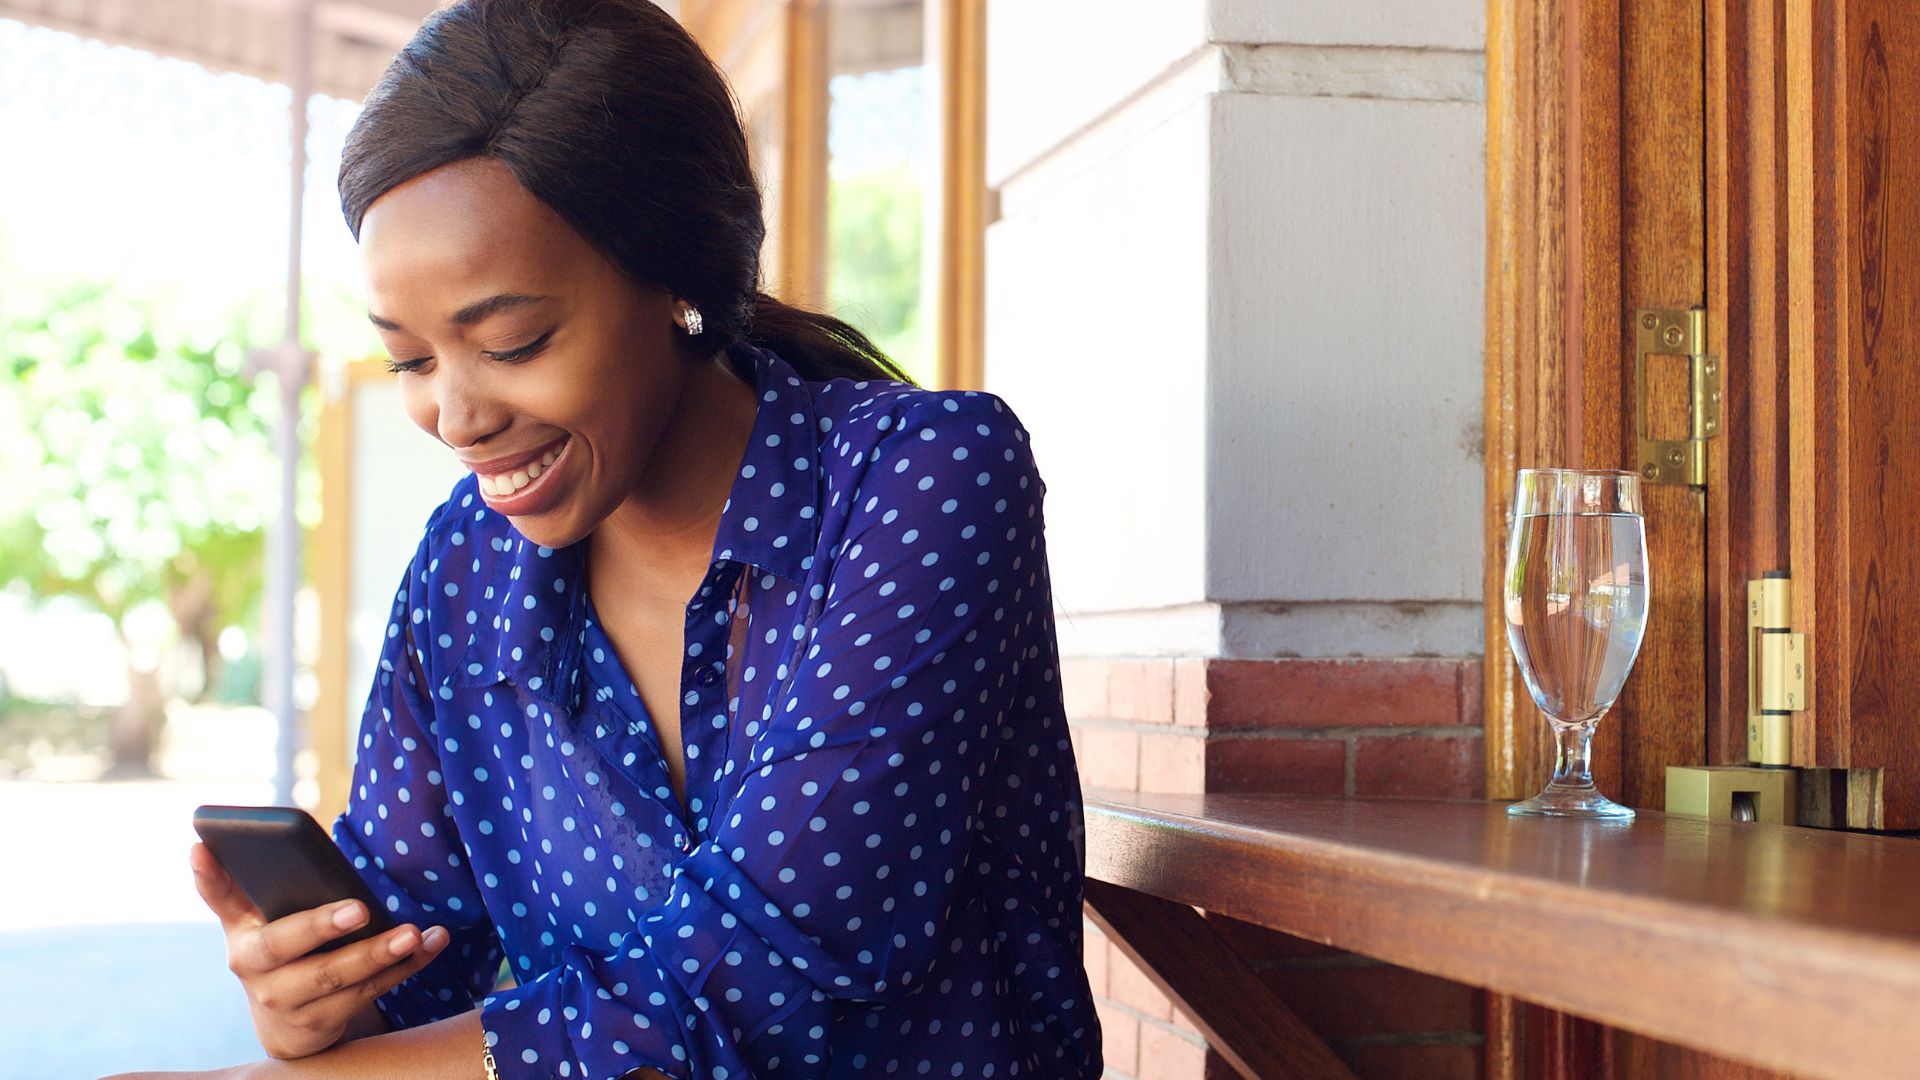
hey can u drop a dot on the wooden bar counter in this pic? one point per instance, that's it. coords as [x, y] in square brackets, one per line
[1794, 949]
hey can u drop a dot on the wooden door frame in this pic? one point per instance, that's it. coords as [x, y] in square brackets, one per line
[1564, 275]
[1536, 153]
[797, 211]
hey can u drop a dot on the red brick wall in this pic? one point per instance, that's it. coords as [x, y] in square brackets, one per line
[1367, 727]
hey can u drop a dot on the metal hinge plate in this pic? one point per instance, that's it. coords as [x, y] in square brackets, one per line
[1776, 670]
[1667, 332]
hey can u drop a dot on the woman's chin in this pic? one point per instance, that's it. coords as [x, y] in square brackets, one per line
[545, 531]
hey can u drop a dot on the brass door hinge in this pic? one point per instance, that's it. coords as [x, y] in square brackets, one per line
[1776, 670]
[1664, 332]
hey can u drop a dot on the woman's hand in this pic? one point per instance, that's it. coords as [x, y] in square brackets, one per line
[303, 1004]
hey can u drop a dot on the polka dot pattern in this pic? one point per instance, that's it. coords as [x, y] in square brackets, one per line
[878, 866]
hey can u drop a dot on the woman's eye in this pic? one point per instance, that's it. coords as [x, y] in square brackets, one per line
[523, 352]
[398, 366]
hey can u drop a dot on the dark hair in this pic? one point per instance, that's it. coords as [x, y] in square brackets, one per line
[610, 113]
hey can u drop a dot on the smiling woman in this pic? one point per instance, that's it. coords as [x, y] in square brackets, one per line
[720, 702]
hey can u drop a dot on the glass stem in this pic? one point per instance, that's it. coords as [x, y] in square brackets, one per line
[1573, 765]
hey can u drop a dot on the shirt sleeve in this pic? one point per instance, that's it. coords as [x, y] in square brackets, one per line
[398, 830]
[830, 876]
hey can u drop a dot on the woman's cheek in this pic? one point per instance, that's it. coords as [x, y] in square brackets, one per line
[419, 404]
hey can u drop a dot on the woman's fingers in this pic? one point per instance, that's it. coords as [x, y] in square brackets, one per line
[220, 893]
[375, 957]
[294, 986]
[351, 997]
[283, 941]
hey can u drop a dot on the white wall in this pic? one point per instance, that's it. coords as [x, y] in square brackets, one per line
[1444, 24]
[1106, 265]
[1235, 292]
[1347, 262]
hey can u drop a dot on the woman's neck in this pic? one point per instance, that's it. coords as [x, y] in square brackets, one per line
[665, 529]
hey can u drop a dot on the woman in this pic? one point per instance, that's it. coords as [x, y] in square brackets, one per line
[720, 702]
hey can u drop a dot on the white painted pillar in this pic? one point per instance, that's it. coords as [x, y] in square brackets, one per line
[1235, 293]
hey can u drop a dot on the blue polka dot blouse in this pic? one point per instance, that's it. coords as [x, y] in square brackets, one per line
[877, 869]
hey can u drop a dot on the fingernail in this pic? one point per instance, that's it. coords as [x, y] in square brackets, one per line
[434, 937]
[402, 945]
[349, 915]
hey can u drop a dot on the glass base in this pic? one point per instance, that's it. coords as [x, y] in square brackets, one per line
[1571, 802]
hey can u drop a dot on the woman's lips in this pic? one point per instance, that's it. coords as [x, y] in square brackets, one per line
[524, 490]
[508, 481]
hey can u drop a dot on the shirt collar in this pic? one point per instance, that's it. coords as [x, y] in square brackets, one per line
[771, 521]
[772, 516]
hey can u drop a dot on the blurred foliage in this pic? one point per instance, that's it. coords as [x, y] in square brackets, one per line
[238, 681]
[873, 265]
[33, 731]
[140, 461]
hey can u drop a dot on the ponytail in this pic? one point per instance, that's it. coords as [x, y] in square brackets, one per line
[817, 346]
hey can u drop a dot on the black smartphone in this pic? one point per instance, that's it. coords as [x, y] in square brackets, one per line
[286, 863]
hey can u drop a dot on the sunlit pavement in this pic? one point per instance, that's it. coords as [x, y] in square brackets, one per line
[108, 960]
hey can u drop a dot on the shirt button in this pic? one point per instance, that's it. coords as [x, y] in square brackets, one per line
[708, 676]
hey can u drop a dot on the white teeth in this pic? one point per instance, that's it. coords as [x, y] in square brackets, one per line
[501, 485]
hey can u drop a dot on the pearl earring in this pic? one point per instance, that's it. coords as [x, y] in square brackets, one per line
[694, 323]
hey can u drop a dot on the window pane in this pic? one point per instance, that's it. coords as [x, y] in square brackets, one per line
[880, 144]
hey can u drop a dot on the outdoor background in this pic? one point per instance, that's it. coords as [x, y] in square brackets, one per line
[1230, 258]
[142, 256]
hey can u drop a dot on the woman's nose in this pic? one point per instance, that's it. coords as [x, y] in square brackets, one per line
[467, 414]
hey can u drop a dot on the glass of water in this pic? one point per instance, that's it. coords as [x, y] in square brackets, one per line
[1576, 610]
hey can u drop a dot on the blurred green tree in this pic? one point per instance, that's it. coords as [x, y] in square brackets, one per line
[873, 259]
[140, 471]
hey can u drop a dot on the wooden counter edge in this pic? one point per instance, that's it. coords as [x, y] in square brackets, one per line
[1808, 1000]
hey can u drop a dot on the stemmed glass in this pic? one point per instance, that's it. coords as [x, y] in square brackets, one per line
[1576, 609]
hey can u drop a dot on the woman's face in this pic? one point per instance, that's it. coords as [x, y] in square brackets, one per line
[547, 372]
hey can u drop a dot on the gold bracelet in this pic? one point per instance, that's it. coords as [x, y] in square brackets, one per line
[486, 1057]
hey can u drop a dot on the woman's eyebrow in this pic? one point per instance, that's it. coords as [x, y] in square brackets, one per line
[475, 312]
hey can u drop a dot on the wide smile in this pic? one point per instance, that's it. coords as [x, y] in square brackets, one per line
[526, 489]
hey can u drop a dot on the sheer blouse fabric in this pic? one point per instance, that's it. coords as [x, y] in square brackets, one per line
[877, 870]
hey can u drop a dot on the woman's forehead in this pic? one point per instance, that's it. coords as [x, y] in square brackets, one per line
[459, 227]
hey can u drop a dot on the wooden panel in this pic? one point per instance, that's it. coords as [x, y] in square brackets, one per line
[1193, 965]
[725, 28]
[801, 263]
[1632, 1056]
[755, 43]
[1648, 249]
[1792, 949]
[959, 62]
[1505, 1036]
[331, 546]
[1747, 327]
[1853, 73]
[1882, 280]
[1596, 206]
[1532, 1042]
[1562, 1047]
[1525, 343]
